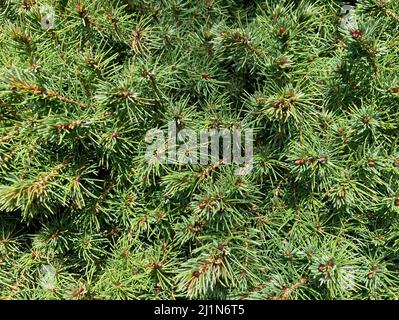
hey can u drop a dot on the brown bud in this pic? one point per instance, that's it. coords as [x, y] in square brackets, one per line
[59, 127]
[144, 73]
[372, 163]
[76, 181]
[282, 61]
[115, 135]
[299, 162]
[330, 263]
[394, 90]
[77, 293]
[80, 9]
[155, 265]
[161, 216]
[322, 159]
[124, 94]
[356, 34]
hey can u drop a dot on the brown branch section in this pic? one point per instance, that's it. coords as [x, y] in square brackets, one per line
[214, 263]
[245, 41]
[39, 187]
[52, 94]
[391, 13]
[255, 289]
[207, 171]
[9, 135]
[97, 205]
[286, 292]
[9, 156]
[36, 90]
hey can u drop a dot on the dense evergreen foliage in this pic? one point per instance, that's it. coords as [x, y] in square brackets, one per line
[84, 216]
